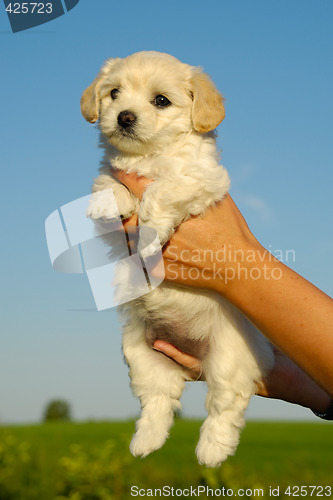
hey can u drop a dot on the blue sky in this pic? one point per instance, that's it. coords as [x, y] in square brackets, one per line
[273, 63]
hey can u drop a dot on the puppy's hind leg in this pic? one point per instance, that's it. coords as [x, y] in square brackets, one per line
[219, 434]
[229, 393]
[158, 382]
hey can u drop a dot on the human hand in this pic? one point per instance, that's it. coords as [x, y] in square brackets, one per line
[190, 259]
[274, 303]
[221, 226]
[286, 381]
[191, 363]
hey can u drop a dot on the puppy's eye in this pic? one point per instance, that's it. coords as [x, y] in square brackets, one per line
[161, 101]
[114, 93]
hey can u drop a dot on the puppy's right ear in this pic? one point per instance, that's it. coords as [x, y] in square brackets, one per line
[208, 109]
[90, 100]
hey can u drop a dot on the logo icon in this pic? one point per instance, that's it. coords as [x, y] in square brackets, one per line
[103, 250]
[26, 15]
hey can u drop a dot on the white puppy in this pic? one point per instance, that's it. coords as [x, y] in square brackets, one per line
[157, 117]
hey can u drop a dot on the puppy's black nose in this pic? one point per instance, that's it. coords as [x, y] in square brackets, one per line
[126, 119]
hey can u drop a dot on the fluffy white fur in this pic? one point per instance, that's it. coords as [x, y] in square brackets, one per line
[175, 146]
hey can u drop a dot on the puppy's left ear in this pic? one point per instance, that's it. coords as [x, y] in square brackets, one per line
[207, 109]
[90, 100]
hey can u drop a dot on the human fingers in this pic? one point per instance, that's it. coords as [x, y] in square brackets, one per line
[134, 182]
[190, 362]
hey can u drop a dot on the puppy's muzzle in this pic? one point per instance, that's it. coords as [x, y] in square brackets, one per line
[126, 119]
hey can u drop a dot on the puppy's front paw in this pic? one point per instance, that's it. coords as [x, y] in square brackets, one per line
[152, 240]
[147, 248]
[144, 443]
[103, 206]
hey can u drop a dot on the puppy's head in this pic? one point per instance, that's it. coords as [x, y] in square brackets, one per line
[148, 99]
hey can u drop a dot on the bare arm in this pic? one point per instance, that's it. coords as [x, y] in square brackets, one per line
[286, 381]
[292, 313]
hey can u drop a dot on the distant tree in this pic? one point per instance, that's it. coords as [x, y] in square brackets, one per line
[57, 410]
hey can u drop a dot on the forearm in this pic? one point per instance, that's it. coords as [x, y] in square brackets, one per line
[286, 381]
[291, 312]
[290, 383]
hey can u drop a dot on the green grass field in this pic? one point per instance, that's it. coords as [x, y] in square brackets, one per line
[91, 461]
